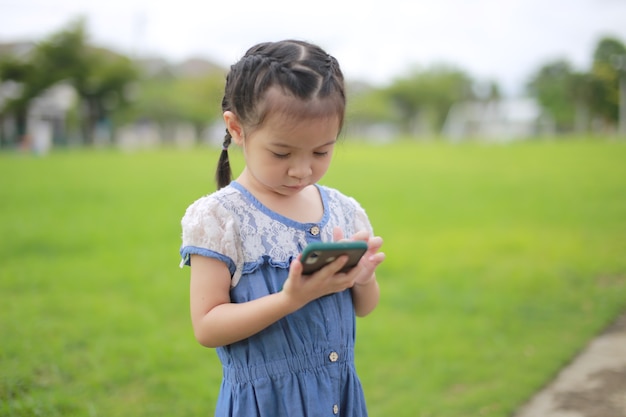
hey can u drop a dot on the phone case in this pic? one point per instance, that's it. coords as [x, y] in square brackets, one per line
[316, 255]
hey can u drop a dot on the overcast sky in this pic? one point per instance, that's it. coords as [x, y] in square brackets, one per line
[503, 40]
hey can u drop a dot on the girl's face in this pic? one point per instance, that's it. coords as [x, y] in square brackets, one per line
[285, 155]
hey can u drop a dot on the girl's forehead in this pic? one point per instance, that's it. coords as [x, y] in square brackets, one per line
[288, 121]
[287, 110]
[288, 126]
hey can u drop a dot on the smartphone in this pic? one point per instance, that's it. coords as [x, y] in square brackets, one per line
[319, 254]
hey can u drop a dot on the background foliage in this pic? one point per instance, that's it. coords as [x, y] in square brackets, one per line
[116, 90]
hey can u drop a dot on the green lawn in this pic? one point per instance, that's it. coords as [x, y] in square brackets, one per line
[502, 262]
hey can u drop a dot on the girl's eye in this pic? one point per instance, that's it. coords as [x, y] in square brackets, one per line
[280, 155]
[320, 154]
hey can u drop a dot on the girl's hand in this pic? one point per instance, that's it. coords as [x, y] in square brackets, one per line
[364, 271]
[301, 289]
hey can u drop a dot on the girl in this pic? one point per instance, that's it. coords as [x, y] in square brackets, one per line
[285, 340]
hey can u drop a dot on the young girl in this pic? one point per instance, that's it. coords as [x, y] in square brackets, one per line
[285, 340]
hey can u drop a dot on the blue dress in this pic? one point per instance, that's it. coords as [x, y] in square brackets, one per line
[302, 365]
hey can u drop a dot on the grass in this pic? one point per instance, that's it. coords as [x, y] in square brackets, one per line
[502, 262]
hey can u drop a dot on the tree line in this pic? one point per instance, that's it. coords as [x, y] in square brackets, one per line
[113, 90]
[577, 101]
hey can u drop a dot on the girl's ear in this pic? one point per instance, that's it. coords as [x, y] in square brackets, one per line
[234, 127]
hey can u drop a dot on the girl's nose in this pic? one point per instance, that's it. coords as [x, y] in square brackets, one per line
[300, 170]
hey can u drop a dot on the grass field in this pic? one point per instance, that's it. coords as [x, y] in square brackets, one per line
[502, 262]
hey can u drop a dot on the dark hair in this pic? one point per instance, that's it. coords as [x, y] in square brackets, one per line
[300, 70]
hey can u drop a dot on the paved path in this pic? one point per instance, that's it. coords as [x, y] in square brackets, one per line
[593, 385]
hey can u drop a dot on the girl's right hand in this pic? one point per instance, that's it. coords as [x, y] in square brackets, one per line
[301, 289]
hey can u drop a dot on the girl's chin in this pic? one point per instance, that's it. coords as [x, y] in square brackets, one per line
[295, 189]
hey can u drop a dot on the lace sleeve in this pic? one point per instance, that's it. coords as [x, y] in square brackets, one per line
[210, 230]
[347, 213]
[361, 221]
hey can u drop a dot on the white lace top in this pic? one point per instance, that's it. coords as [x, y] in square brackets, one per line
[233, 226]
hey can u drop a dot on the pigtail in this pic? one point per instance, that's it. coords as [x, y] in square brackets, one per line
[223, 173]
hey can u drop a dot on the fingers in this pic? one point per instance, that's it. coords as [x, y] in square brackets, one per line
[325, 281]
[375, 242]
[376, 259]
[372, 257]
[337, 234]
[336, 265]
[362, 235]
[296, 267]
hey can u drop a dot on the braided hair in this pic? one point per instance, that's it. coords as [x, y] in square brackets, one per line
[299, 70]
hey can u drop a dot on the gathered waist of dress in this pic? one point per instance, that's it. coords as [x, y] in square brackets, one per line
[288, 365]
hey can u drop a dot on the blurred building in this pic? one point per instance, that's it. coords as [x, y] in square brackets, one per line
[497, 120]
[45, 119]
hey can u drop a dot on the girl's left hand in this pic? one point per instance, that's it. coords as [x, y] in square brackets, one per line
[370, 260]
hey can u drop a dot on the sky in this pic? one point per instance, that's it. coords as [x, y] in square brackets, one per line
[505, 41]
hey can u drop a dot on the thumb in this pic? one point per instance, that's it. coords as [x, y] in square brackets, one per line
[337, 234]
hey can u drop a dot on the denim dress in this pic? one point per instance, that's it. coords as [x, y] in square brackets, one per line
[302, 365]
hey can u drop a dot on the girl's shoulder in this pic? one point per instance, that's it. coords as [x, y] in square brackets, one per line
[346, 210]
[218, 203]
[335, 196]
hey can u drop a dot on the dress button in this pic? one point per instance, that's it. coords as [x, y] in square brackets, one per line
[315, 230]
[333, 356]
[335, 409]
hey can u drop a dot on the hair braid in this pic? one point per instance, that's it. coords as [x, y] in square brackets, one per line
[223, 173]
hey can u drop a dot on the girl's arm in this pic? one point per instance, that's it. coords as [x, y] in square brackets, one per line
[217, 322]
[365, 296]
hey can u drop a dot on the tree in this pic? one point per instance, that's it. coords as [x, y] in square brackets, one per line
[103, 87]
[169, 99]
[29, 82]
[367, 105]
[580, 94]
[573, 98]
[34, 75]
[201, 98]
[605, 81]
[554, 86]
[424, 98]
[100, 77]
